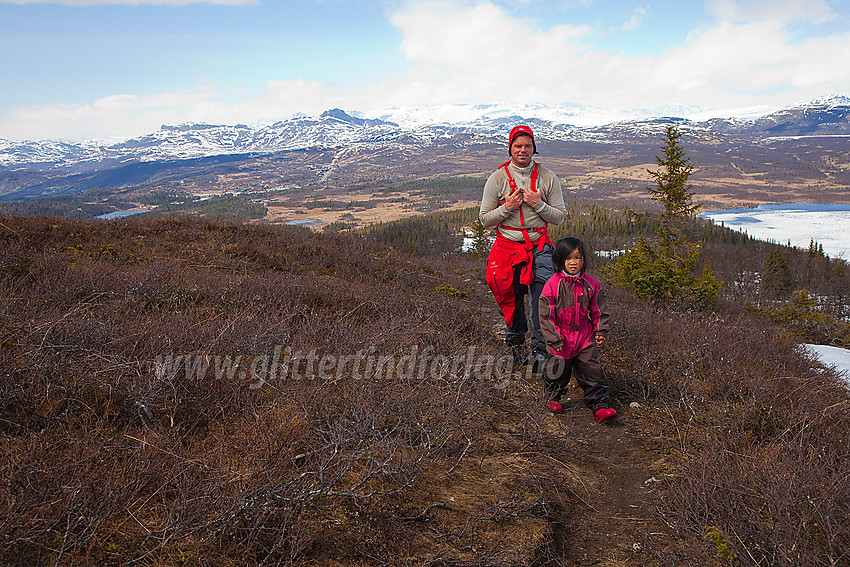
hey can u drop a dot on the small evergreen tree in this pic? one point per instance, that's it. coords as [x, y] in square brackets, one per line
[672, 189]
[777, 282]
[664, 272]
[480, 247]
[803, 314]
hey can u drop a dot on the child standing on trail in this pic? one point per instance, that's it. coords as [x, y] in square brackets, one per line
[573, 319]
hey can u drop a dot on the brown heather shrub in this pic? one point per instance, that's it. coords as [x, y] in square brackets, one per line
[758, 441]
[115, 454]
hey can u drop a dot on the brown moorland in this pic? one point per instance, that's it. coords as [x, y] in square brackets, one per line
[142, 424]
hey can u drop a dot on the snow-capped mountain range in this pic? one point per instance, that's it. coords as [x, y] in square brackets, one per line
[425, 126]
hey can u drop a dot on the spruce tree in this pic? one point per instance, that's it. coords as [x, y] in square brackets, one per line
[665, 271]
[672, 189]
[777, 281]
[480, 247]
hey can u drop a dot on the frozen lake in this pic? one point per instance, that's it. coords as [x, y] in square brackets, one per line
[828, 224]
[122, 214]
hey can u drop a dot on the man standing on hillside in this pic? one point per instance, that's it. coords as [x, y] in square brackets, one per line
[520, 199]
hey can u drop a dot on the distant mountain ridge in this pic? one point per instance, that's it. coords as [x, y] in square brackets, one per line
[421, 127]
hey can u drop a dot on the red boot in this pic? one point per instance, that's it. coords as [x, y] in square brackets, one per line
[603, 414]
[554, 406]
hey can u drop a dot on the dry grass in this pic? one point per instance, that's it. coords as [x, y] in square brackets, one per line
[109, 458]
[755, 440]
[381, 212]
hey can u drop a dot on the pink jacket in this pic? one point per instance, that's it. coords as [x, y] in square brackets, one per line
[572, 311]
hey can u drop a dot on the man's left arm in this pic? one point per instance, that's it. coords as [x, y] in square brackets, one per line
[551, 207]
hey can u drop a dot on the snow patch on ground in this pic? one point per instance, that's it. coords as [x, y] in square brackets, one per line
[831, 356]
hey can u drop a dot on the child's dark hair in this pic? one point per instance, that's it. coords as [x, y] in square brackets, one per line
[563, 248]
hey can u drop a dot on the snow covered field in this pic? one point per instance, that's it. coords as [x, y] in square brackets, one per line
[799, 223]
[830, 355]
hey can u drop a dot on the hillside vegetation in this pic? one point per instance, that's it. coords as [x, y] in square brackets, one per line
[195, 392]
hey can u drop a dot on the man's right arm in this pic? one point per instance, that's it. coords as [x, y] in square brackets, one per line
[491, 212]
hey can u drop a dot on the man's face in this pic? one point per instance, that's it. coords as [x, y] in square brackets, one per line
[522, 149]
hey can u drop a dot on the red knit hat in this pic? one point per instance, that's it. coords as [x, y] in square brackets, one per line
[521, 130]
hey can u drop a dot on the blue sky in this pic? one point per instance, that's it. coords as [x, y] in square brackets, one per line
[77, 69]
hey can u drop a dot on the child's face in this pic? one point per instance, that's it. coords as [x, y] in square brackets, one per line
[574, 263]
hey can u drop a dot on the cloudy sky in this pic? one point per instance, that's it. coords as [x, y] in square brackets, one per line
[77, 69]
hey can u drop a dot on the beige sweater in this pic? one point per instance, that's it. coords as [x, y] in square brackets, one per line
[550, 209]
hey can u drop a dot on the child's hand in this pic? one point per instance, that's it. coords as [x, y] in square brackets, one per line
[600, 339]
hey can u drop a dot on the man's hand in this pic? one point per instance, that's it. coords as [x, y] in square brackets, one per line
[514, 200]
[600, 339]
[531, 198]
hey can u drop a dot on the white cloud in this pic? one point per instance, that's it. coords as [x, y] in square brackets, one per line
[127, 115]
[118, 115]
[84, 3]
[755, 60]
[815, 11]
[480, 52]
[636, 20]
[282, 99]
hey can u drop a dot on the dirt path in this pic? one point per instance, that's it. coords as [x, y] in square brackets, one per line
[607, 469]
[618, 521]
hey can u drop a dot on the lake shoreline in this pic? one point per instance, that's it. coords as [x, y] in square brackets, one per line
[797, 224]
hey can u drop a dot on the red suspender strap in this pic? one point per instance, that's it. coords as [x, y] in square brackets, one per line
[508, 173]
[512, 183]
[544, 230]
[532, 187]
